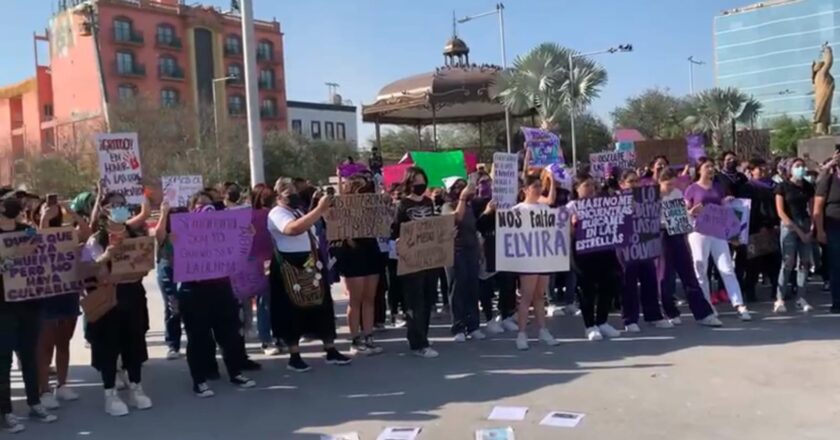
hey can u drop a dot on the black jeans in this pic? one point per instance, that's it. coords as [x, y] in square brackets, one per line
[210, 312]
[440, 275]
[396, 302]
[171, 318]
[19, 331]
[463, 291]
[599, 284]
[506, 282]
[420, 291]
[767, 265]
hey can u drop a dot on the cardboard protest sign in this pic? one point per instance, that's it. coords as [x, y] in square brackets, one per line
[603, 223]
[742, 208]
[426, 244]
[40, 264]
[645, 242]
[360, 216]
[439, 165]
[673, 149]
[675, 217]
[544, 147]
[392, 174]
[263, 248]
[208, 245]
[505, 180]
[119, 165]
[177, 190]
[601, 164]
[249, 279]
[695, 145]
[563, 176]
[97, 302]
[532, 240]
[134, 256]
[717, 221]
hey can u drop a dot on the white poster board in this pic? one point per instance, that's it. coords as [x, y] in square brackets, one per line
[532, 240]
[177, 190]
[505, 180]
[119, 165]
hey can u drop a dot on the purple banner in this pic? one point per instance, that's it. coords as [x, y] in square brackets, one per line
[544, 147]
[695, 145]
[718, 221]
[603, 222]
[645, 241]
[349, 169]
[249, 279]
[208, 245]
[263, 248]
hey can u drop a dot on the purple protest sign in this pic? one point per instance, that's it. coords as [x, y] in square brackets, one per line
[603, 223]
[263, 248]
[695, 145]
[645, 242]
[249, 279]
[602, 164]
[346, 170]
[544, 147]
[718, 221]
[208, 245]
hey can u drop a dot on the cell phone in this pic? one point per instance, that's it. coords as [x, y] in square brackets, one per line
[52, 199]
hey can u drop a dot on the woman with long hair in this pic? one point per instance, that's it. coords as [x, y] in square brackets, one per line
[263, 198]
[359, 262]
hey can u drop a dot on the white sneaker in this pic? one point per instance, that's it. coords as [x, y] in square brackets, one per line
[460, 338]
[493, 327]
[608, 331]
[711, 321]
[426, 353]
[478, 335]
[744, 313]
[114, 406]
[66, 394]
[552, 311]
[593, 334]
[633, 328]
[39, 413]
[806, 308]
[572, 309]
[510, 325]
[271, 350]
[548, 338]
[676, 321]
[521, 341]
[49, 401]
[662, 323]
[11, 424]
[172, 355]
[137, 398]
[399, 323]
[779, 307]
[203, 391]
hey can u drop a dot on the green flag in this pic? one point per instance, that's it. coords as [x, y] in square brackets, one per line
[440, 164]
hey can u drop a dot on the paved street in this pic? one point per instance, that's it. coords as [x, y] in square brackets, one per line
[774, 378]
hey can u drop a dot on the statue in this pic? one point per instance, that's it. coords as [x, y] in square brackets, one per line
[823, 91]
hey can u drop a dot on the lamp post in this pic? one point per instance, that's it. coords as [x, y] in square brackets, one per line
[691, 63]
[252, 95]
[572, 109]
[500, 11]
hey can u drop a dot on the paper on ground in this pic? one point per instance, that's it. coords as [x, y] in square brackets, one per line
[345, 436]
[495, 434]
[516, 413]
[562, 419]
[399, 433]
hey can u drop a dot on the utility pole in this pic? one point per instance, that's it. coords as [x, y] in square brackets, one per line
[252, 94]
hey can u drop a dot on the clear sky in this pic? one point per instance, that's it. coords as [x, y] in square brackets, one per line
[365, 44]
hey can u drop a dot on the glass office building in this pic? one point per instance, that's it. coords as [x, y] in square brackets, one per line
[766, 50]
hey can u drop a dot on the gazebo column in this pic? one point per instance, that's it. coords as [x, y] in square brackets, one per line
[419, 136]
[434, 127]
[378, 138]
[480, 139]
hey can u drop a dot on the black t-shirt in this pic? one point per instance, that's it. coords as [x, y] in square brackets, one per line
[410, 210]
[828, 186]
[796, 200]
[32, 304]
[732, 185]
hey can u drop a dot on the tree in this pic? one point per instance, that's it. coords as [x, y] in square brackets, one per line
[785, 133]
[396, 142]
[656, 113]
[592, 135]
[717, 110]
[542, 80]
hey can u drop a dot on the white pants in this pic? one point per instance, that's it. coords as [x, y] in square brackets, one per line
[703, 246]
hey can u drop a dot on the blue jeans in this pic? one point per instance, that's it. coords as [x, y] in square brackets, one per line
[172, 318]
[264, 318]
[833, 249]
[794, 250]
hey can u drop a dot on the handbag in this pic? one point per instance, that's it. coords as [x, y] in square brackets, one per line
[304, 286]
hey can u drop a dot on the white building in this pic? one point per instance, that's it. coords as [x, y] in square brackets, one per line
[324, 121]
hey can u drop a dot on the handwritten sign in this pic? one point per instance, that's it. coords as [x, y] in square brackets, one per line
[41, 265]
[505, 180]
[134, 256]
[532, 240]
[675, 217]
[645, 242]
[177, 190]
[602, 164]
[119, 165]
[249, 279]
[360, 216]
[742, 208]
[208, 245]
[426, 244]
[544, 147]
[603, 223]
[717, 221]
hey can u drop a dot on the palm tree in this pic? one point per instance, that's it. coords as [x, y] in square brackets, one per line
[540, 80]
[716, 110]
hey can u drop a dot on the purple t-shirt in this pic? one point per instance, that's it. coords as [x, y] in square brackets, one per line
[695, 194]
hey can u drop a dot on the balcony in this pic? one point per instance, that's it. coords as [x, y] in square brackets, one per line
[171, 73]
[130, 38]
[169, 43]
[134, 70]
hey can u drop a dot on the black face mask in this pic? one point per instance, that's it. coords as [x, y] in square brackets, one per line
[419, 189]
[233, 196]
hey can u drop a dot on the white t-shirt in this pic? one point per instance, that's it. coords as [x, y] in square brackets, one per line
[278, 218]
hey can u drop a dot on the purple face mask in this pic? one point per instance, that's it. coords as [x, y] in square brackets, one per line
[484, 189]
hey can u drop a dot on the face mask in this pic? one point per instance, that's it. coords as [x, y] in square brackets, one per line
[233, 196]
[797, 172]
[119, 215]
[418, 189]
[731, 167]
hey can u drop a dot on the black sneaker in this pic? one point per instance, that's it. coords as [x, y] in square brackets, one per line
[243, 382]
[297, 364]
[203, 390]
[371, 346]
[250, 365]
[334, 357]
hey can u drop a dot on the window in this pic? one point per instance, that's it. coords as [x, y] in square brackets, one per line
[123, 29]
[269, 108]
[235, 70]
[267, 79]
[340, 131]
[315, 127]
[125, 62]
[297, 126]
[168, 98]
[127, 92]
[168, 66]
[48, 111]
[329, 130]
[265, 51]
[236, 104]
[166, 34]
[233, 45]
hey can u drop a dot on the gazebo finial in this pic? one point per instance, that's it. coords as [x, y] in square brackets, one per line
[456, 52]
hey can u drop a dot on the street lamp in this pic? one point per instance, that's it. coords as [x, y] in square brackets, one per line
[572, 56]
[691, 63]
[500, 11]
